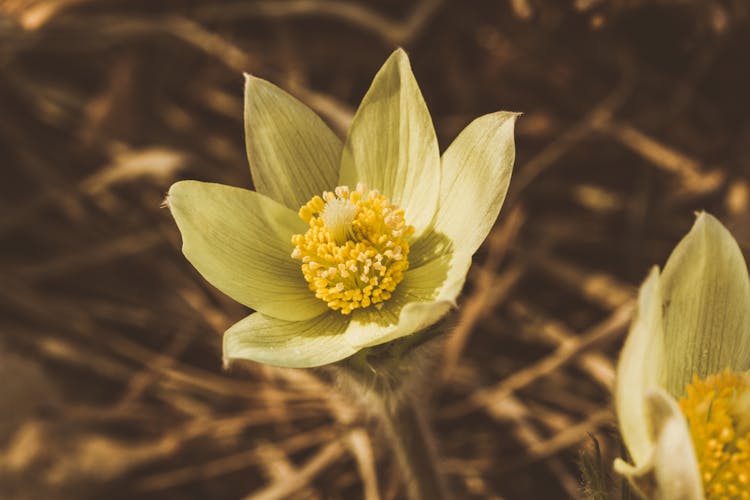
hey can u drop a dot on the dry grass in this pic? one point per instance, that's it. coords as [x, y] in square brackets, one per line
[636, 114]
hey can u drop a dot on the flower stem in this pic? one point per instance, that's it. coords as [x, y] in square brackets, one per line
[392, 384]
[412, 443]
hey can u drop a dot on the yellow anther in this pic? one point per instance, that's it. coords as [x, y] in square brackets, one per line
[355, 252]
[715, 408]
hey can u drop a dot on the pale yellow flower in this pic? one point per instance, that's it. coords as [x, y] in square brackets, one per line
[349, 245]
[683, 391]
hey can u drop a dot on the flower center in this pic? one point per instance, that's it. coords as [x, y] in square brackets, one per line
[718, 413]
[355, 252]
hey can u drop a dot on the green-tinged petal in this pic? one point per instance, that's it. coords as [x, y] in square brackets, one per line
[675, 465]
[293, 344]
[374, 327]
[240, 241]
[706, 294]
[638, 369]
[476, 171]
[440, 278]
[293, 155]
[672, 471]
[425, 295]
[429, 246]
[392, 146]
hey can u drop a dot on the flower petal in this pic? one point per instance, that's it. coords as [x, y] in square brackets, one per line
[440, 278]
[293, 154]
[425, 295]
[374, 327]
[706, 294]
[293, 344]
[671, 472]
[675, 464]
[638, 369]
[240, 241]
[392, 146]
[476, 171]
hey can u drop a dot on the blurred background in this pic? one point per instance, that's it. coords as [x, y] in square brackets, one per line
[636, 114]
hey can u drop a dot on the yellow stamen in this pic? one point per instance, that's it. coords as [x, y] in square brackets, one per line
[356, 250]
[718, 413]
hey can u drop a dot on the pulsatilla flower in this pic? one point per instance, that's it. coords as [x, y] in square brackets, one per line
[683, 388]
[349, 245]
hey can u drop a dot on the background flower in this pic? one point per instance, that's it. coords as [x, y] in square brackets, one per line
[693, 321]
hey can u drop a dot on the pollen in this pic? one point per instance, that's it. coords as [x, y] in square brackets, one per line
[355, 252]
[718, 413]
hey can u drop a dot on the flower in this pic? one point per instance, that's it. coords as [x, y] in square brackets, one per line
[349, 245]
[683, 389]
